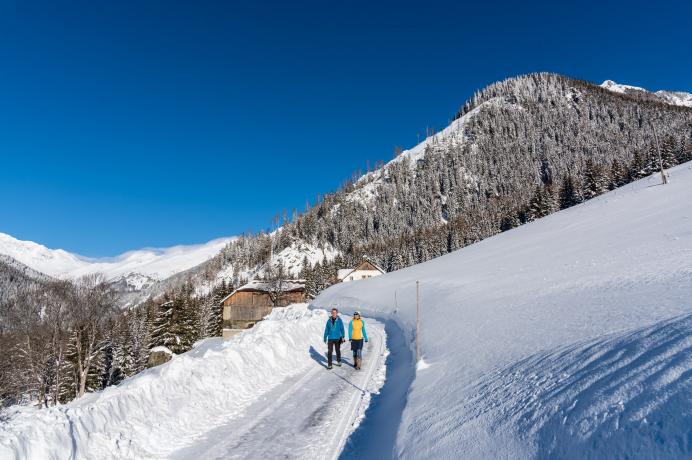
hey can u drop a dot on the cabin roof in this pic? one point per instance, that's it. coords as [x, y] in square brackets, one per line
[266, 286]
[342, 273]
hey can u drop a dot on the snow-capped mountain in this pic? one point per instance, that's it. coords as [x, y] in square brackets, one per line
[132, 271]
[670, 97]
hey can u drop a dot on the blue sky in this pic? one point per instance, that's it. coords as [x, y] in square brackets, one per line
[139, 124]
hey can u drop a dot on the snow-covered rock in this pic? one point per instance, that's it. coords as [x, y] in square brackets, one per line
[568, 337]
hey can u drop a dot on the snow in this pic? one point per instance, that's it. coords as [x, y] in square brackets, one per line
[136, 268]
[671, 97]
[619, 88]
[163, 349]
[568, 337]
[262, 393]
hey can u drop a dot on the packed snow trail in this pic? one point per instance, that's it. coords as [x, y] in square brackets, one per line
[310, 417]
[264, 392]
[612, 266]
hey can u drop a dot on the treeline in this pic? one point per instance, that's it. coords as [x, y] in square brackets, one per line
[60, 339]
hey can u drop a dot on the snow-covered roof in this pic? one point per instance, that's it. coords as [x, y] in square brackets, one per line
[343, 273]
[163, 349]
[267, 286]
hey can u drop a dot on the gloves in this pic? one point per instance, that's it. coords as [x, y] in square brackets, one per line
[366, 340]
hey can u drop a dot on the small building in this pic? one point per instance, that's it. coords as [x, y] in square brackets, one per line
[366, 269]
[253, 301]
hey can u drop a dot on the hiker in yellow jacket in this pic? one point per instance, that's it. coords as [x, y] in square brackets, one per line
[357, 334]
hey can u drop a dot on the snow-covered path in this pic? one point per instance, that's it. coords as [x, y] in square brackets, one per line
[263, 394]
[309, 417]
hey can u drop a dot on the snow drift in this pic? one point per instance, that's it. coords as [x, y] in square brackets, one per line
[555, 338]
[163, 409]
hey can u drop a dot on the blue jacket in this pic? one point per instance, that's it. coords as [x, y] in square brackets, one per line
[350, 330]
[335, 331]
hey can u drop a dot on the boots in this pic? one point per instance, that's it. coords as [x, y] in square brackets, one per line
[357, 362]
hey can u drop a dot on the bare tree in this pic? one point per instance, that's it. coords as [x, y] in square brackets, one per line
[275, 277]
[93, 305]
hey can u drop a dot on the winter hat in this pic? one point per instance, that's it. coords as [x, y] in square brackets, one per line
[356, 313]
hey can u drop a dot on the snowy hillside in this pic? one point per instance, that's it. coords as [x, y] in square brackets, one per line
[670, 97]
[568, 337]
[221, 399]
[136, 269]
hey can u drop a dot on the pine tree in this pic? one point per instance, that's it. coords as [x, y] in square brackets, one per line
[163, 330]
[569, 193]
[618, 175]
[637, 168]
[669, 149]
[542, 203]
[595, 181]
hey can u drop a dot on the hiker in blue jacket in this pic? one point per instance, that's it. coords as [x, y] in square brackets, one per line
[333, 336]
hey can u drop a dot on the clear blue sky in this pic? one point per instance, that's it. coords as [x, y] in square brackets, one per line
[138, 124]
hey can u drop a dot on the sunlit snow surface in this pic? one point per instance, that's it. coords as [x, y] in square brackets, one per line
[568, 337]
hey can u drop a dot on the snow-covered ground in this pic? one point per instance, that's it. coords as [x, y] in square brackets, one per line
[137, 268]
[569, 337]
[263, 393]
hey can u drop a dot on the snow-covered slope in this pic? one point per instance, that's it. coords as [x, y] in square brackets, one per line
[671, 97]
[135, 268]
[568, 337]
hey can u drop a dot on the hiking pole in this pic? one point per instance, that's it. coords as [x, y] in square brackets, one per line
[417, 321]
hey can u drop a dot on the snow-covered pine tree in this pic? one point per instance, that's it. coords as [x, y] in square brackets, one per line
[569, 193]
[542, 203]
[669, 149]
[637, 168]
[618, 174]
[163, 329]
[595, 180]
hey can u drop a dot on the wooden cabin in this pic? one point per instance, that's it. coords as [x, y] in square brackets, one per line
[366, 269]
[250, 303]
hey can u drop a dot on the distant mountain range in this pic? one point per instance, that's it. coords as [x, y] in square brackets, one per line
[131, 272]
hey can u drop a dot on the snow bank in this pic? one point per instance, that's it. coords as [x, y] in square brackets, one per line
[616, 263]
[165, 408]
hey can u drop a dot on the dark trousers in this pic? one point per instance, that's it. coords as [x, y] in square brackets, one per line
[357, 347]
[333, 345]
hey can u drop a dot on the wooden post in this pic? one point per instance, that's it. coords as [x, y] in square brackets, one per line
[664, 179]
[417, 321]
